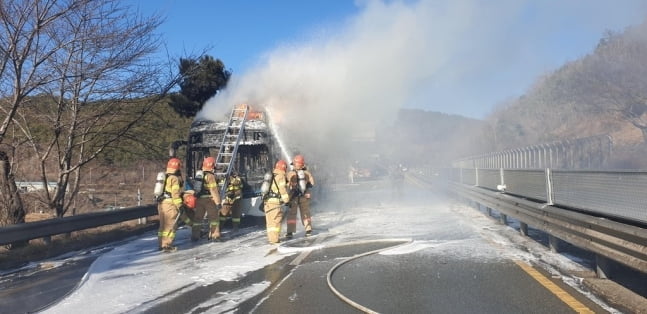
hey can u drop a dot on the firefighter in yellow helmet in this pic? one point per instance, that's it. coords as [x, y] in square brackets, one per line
[208, 202]
[277, 196]
[231, 204]
[169, 207]
[300, 181]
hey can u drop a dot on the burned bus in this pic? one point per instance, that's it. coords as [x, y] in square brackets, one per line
[255, 153]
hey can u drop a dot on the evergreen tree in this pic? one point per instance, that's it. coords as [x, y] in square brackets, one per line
[201, 80]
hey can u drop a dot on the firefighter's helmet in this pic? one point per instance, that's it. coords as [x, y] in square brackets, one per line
[281, 165]
[298, 162]
[173, 165]
[208, 164]
[189, 200]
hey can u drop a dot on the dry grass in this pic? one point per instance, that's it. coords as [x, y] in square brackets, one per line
[37, 249]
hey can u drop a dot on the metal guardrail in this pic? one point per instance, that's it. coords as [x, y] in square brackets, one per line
[50, 227]
[619, 241]
[619, 194]
[623, 243]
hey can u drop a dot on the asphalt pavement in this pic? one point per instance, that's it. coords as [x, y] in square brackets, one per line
[363, 280]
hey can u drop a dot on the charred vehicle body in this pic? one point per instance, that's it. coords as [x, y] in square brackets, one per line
[252, 148]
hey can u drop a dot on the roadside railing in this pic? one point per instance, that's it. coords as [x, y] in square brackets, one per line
[579, 153]
[601, 212]
[618, 194]
[47, 228]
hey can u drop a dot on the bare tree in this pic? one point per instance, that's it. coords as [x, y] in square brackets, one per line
[613, 80]
[609, 85]
[625, 81]
[23, 50]
[81, 76]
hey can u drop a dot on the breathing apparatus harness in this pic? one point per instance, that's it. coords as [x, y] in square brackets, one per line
[270, 192]
[200, 191]
[159, 191]
[301, 185]
[160, 187]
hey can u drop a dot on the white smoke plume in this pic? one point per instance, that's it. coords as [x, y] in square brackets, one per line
[347, 80]
[438, 55]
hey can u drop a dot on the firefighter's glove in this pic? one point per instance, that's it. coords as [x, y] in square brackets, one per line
[285, 200]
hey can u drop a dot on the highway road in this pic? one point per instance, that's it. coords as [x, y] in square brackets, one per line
[376, 250]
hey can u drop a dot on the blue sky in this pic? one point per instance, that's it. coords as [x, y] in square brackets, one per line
[459, 57]
[237, 32]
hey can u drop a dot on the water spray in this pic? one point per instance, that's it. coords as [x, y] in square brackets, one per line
[275, 130]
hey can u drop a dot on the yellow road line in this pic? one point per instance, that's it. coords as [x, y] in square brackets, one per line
[553, 288]
[577, 306]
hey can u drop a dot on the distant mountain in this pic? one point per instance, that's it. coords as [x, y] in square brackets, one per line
[604, 92]
[426, 137]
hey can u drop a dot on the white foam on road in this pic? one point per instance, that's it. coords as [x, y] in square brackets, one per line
[135, 276]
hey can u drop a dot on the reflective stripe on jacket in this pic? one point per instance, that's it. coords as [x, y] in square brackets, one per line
[173, 188]
[234, 189]
[211, 184]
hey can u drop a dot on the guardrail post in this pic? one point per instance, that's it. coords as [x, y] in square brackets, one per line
[523, 228]
[549, 187]
[503, 218]
[489, 211]
[141, 221]
[553, 243]
[602, 266]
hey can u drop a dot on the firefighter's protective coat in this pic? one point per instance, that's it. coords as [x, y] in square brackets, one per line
[273, 214]
[209, 203]
[300, 195]
[231, 204]
[168, 209]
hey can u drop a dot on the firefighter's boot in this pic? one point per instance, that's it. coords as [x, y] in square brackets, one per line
[214, 230]
[169, 249]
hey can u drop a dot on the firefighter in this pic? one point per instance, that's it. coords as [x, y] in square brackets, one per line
[277, 196]
[300, 181]
[231, 204]
[170, 206]
[208, 202]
